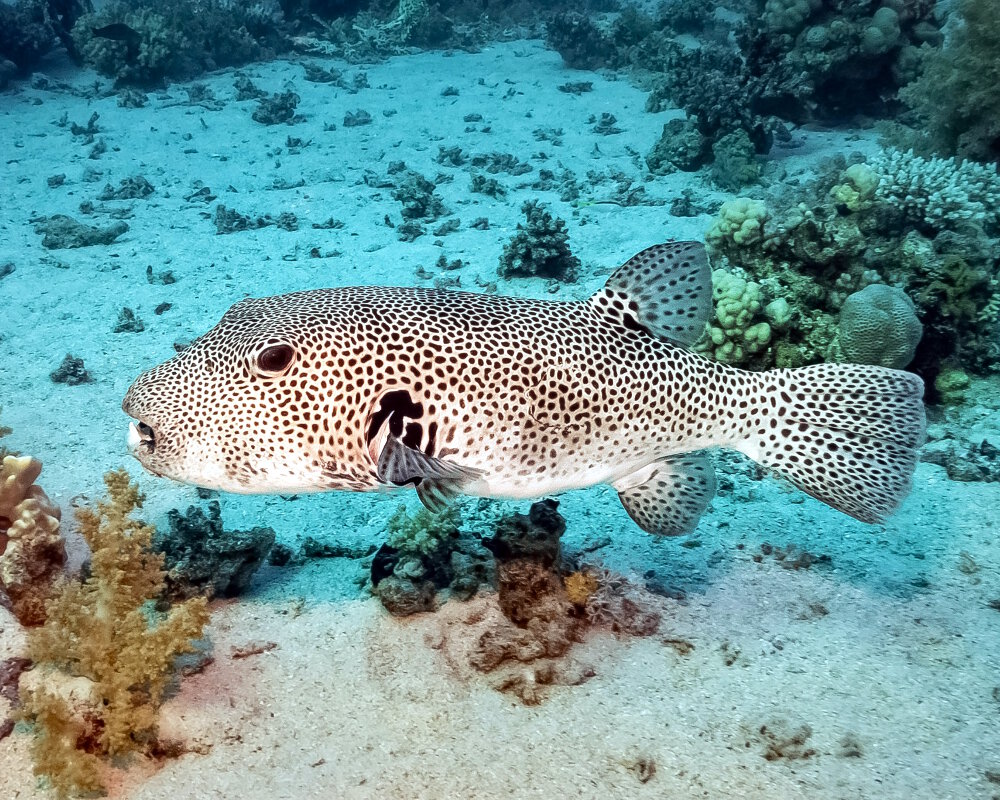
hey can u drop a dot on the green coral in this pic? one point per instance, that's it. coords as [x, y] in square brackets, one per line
[736, 330]
[956, 95]
[740, 223]
[928, 226]
[426, 532]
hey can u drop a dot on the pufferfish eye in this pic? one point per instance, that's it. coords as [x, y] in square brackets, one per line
[273, 360]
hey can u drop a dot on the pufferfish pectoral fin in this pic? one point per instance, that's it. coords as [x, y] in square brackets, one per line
[665, 290]
[669, 496]
[435, 479]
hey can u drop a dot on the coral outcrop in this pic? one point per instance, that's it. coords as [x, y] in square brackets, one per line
[540, 248]
[956, 94]
[928, 227]
[144, 43]
[425, 553]
[32, 551]
[200, 557]
[879, 325]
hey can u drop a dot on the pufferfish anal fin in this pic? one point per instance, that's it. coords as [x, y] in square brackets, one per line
[665, 290]
[669, 496]
[435, 479]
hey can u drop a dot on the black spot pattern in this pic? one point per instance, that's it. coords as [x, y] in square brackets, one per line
[673, 495]
[525, 397]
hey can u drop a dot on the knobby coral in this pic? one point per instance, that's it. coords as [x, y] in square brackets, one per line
[927, 226]
[32, 553]
[104, 656]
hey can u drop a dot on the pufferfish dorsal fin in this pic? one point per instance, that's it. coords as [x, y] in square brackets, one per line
[435, 479]
[666, 290]
[669, 496]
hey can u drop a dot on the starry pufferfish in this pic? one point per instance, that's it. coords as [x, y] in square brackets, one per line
[459, 393]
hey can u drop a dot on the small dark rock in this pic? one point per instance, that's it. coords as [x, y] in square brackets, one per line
[276, 109]
[71, 372]
[128, 322]
[279, 555]
[353, 119]
[402, 596]
[200, 558]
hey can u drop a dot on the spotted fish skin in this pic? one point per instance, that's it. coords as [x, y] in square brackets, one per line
[366, 387]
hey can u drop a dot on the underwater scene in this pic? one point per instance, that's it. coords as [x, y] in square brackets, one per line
[490, 399]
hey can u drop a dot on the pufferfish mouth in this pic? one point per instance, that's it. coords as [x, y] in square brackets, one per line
[141, 437]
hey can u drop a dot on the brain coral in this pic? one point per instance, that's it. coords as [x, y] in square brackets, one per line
[879, 325]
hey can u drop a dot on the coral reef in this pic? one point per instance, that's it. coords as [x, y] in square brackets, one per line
[540, 248]
[104, 657]
[575, 37]
[926, 226]
[736, 331]
[29, 29]
[773, 61]
[145, 43]
[523, 635]
[955, 94]
[32, 552]
[427, 552]
[201, 558]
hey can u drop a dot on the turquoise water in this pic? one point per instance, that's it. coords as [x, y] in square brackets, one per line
[778, 649]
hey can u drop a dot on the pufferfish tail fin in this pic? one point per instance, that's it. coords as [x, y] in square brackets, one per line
[847, 434]
[666, 290]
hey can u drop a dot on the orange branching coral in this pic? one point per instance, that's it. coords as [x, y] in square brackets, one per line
[104, 656]
[580, 586]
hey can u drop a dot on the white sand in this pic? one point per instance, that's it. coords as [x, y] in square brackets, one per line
[355, 704]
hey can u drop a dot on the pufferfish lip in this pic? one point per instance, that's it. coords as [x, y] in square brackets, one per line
[141, 437]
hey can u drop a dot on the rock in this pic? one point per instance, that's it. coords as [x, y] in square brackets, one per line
[62, 232]
[202, 558]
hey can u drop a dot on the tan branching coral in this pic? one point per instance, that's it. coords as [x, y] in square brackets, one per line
[32, 553]
[105, 655]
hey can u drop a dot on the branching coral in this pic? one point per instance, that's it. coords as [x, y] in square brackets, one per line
[540, 248]
[104, 656]
[937, 193]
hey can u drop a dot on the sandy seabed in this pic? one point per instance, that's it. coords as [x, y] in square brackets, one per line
[889, 654]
